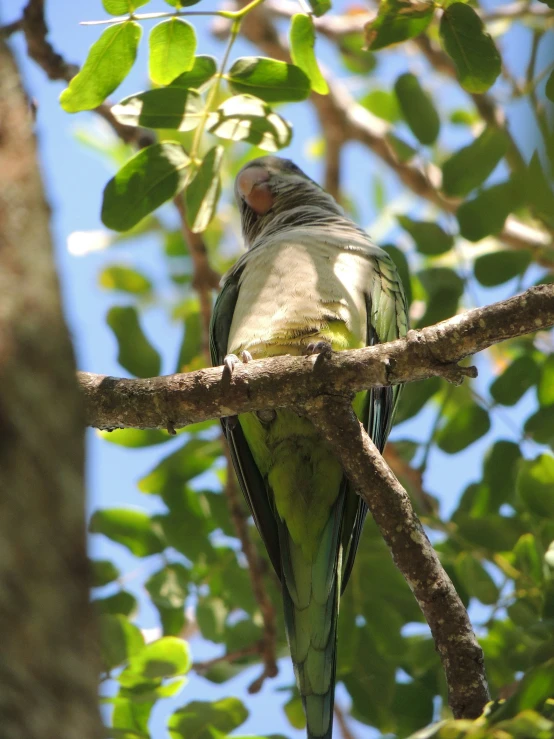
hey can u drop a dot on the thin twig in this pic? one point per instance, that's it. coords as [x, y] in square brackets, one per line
[343, 724]
[203, 667]
[268, 644]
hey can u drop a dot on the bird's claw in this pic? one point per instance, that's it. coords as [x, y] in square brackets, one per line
[231, 361]
[319, 347]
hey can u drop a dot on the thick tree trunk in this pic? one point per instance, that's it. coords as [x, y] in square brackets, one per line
[48, 652]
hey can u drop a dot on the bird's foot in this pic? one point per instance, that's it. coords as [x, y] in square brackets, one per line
[323, 348]
[231, 361]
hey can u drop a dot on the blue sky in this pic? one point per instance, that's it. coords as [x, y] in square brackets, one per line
[74, 178]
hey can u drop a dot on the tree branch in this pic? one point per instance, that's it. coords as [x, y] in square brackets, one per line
[461, 655]
[287, 381]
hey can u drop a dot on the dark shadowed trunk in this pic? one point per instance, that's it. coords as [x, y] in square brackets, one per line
[48, 671]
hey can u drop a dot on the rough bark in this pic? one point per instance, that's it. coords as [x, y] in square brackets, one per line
[48, 675]
[178, 400]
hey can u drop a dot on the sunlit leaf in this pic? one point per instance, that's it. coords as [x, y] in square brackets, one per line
[136, 353]
[469, 167]
[129, 527]
[295, 713]
[319, 7]
[470, 423]
[535, 484]
[174, 108]
[172, 47]
[203, 69]
[302, 43]
[383, 104]
[108, 62]
[417, 108]
[203, 191]
[498, 267]
[268, 79]
[125, 279]
[136, 438]
[148, 180]
[398, 20]
[546, 382]
[119, 640]
[246, 118]
[514, 382]
[166, 657]
[211, 615]
[472, 50]
[121, 7]
[178, 4]
[429, 237]
[528, 557]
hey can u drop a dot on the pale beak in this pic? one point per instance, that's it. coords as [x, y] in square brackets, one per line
[253, 187]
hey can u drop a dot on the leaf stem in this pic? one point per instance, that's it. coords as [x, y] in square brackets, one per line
[230, 14]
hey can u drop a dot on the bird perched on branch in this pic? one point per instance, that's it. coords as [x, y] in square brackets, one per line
[311, 280]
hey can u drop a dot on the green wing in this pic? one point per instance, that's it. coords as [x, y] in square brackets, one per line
[387, 312]
[250, 479]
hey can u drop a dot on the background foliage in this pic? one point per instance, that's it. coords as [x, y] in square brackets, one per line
[454, 99]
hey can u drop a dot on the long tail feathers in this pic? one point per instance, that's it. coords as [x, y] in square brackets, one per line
[311, 588]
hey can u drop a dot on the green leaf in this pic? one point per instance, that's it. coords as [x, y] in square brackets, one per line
[122, 602]
[412, 707]
[500, 471]
[469, 167]
[493, 532]
[528, 558]
[181, 3]
[540, 426]
[472, 50]
[514, 382]
[125, 279]
[498, 267]
[546, 383]
[398, 20]
[382, 104]
[211, 615]
[206, 720]
[203, 191]
[429, 237]
[191, 346]
[414, 396]
[535, 483]
[302, 43]
[131, 528]
[486, 214]
[470, 423]
[268, 79]
[136, 354]
[401, 264]
[246, 118]
[103, 572]
[319, 7]
[130, 719]
[417, 108]
[173, 620]
[355, 58]
[403, 151]
[539, 191]
[444, 289]
[549, 90]
[203, 69]
[173, 108]
[475, 579]
[122, 7]
[108, 62]
[119, 640]
[172, 47]
[295, 713]
[166, 657]
[135, 438]
[168, 587]
[192, 459]
[150, 178]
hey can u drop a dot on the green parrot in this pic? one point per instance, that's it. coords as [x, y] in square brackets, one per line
[310, 278]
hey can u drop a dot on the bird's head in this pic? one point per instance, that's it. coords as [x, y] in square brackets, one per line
[272, 193]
